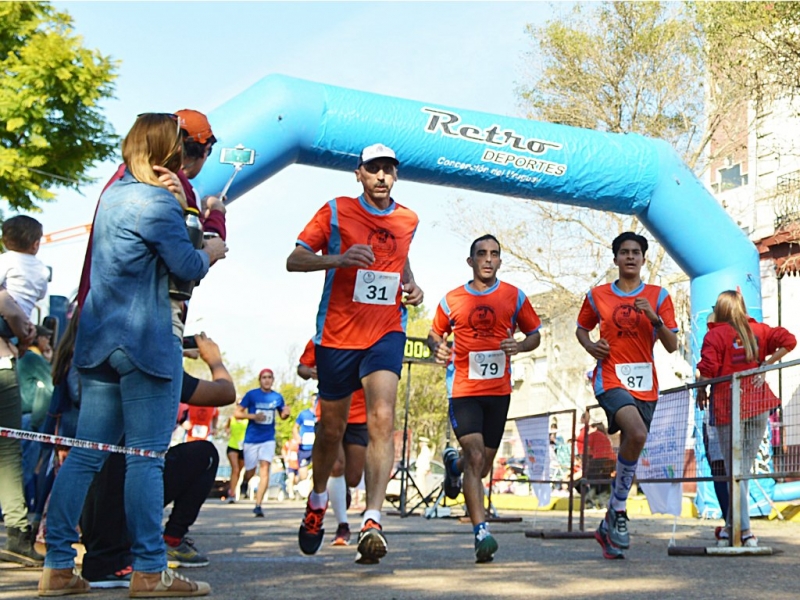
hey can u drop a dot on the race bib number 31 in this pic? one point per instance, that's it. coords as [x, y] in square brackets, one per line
[487, 365]
[376, 287]
[637, 377]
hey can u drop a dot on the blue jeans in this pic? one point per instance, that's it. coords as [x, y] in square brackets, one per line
[117, 400]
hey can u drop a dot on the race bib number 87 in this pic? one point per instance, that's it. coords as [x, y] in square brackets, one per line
[376, 287]
[637, 377]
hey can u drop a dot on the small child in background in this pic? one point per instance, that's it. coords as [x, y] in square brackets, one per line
[23, 275]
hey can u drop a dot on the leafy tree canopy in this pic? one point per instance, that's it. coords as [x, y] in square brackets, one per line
[51, 126]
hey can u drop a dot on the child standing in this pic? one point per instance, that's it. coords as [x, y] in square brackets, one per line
[23, 275]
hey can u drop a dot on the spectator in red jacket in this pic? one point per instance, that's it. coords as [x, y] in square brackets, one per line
[734, 343]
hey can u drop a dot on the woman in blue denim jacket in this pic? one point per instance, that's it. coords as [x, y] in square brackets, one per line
[128, 357]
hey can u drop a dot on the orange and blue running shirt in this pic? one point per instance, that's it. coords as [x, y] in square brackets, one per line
[630, 335]
[360, 306]
[479, 322]
[358, 403]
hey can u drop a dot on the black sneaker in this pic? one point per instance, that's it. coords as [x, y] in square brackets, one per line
[311, 532]
[118, 579]
[452, 481]
[258, 512]
[371, 544]
[609, 550]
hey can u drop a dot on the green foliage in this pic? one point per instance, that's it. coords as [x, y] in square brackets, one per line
[51, 126]
[621, 67]
[754, 44]
[295, 398]
[427, 415]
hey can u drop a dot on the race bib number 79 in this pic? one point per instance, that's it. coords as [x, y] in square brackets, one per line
[637, 377]
[487, 365]
[376, 287]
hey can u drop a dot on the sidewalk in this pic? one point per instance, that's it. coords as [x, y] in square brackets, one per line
[259, 559]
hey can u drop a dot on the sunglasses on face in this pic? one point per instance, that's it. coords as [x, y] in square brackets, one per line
[376, 166]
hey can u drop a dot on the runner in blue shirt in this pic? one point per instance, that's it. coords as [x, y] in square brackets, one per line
[259, 407]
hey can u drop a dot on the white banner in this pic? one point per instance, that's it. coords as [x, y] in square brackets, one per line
[534, 433]
[663, 454]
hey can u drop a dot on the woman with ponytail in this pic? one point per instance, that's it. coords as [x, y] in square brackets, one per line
[736, 342]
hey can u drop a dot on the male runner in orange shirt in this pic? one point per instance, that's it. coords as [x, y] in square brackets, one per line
[364, 244]
[483, 315]
[349, 466]
[632, 316]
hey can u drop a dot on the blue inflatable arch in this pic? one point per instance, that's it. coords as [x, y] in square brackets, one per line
[289, 121]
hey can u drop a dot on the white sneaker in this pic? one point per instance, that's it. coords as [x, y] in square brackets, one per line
[750, 541]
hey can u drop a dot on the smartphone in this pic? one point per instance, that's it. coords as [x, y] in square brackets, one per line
[189, 343]
[237, 156]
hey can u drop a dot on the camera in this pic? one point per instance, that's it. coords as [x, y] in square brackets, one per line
[189, 343]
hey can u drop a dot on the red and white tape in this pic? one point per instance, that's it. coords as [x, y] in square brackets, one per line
[32, 436]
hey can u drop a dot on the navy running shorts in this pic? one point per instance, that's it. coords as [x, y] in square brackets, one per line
[356, 434]
[340, 371]
[615, 398]
[303, 458]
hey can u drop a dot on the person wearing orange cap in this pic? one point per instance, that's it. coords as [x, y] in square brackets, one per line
[198, 139]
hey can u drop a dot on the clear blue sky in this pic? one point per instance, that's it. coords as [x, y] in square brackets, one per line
[177, 55]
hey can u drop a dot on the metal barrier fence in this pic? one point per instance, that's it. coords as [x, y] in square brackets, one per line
[749, 432]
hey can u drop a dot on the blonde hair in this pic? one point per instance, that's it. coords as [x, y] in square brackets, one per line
[154, 139]
[730, 309]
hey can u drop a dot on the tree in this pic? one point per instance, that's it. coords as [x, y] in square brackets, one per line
[756, 44]
[51, 88]
[618, 67]
[428, 404]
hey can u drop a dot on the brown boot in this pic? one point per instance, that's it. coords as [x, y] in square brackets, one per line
[165, 584]
[62, 582]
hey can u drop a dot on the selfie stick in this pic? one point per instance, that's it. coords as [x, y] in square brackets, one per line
[237, 166]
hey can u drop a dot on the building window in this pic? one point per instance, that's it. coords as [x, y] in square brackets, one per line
[731, 178]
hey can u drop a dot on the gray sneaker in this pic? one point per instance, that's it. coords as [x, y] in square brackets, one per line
[609, 551]
[617, 524]
[185, 555]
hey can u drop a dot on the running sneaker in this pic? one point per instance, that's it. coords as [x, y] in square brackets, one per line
[342, 537]
[118, 579]
[371, 544]
[185, 555]
[311, 531]
[485, 546]
[257, 511]
[617, 527]
[452, 481]
[609, 550]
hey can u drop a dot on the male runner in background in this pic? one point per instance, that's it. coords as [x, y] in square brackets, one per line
[632, 316]
[259, 407]
[482, 315]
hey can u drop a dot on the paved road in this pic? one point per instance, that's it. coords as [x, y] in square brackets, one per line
[259, 559]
